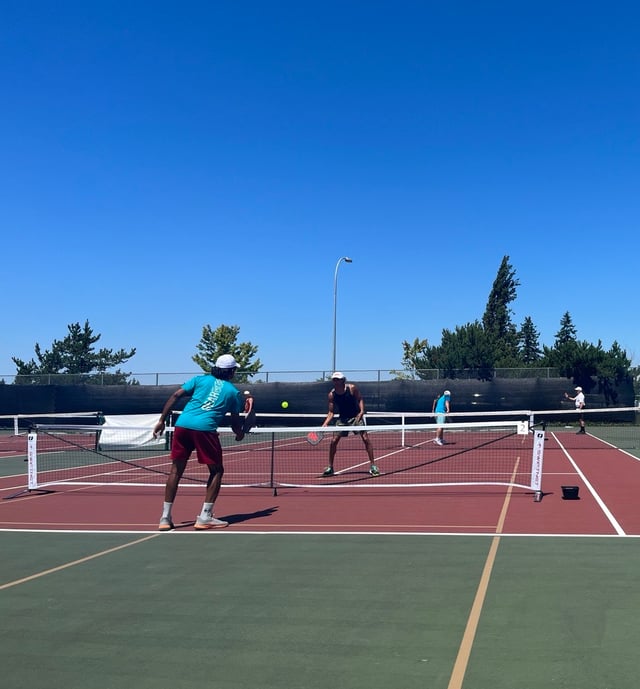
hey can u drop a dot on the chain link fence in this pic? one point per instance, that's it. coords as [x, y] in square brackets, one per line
[178, 378]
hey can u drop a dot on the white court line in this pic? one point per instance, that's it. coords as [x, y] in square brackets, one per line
[615, 447]
[619, 530]
[239, 531]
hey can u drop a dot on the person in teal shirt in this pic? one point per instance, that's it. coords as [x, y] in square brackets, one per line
[441, 407]
[211, 397]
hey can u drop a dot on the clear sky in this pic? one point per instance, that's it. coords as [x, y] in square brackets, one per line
[171, 165]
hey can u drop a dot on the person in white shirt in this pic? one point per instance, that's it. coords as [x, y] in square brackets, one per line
[579, 402]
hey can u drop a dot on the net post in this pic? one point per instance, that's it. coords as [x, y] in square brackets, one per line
[32, 459]
[273, 454]
[32, 468]
[536, 464]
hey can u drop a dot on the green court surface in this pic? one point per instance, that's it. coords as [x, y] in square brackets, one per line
[314, 611]
[13, 466]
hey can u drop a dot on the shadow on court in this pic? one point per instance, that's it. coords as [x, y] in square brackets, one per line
[248, 516]
[233, 518]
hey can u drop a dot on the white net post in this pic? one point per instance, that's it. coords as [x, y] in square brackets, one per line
[536, 464]
[32, 457]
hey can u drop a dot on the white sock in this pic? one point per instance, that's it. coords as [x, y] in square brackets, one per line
[166, 510]
[207, 510]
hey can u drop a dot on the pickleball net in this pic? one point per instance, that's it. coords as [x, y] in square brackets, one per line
[614, 427]
[20, 424]
[481, 453]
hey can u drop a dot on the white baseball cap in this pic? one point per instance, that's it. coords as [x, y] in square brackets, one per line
[447, 393]
[226, 361]
[338, 376]
[578, 389]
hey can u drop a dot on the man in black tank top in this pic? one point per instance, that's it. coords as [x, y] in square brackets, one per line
[346, 402]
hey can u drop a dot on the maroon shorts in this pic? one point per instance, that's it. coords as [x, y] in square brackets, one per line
[205, 443]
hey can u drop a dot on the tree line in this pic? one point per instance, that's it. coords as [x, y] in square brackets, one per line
[479, 347]
[496, 342]
[76, 359]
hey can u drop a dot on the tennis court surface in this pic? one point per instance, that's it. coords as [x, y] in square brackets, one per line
[343, 583]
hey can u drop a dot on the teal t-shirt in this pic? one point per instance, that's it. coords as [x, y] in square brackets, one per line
[211, 399]
[441, 407]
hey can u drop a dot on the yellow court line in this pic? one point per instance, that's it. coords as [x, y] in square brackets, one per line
[74, 563]
[464, 652]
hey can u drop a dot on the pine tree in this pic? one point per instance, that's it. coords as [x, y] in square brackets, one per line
[223, 340]
[529, 343]
[497, 321]
[75, 354]
[568, 333]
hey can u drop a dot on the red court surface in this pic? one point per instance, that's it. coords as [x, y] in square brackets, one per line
[608, 481]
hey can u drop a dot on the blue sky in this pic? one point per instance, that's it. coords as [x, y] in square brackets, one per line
[168, 165]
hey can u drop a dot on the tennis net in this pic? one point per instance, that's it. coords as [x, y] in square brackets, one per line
[488, 453]
[19, 424]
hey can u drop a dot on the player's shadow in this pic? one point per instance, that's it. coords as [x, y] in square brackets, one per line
[247, 516]
[234, 518]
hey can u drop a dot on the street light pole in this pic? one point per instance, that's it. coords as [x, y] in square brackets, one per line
[346, 259]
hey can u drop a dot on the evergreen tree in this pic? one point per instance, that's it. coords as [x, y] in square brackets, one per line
[634, 372]
[613, 369]
[223, 340]
[75, 354]
[496, 343]
[586, 364]
[567, 333]
[529, 350]
[497, 321]
[467, 348]
[563, 354]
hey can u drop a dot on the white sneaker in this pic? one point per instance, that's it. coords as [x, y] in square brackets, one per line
[437, 441]
[209, 523]
[165, 524]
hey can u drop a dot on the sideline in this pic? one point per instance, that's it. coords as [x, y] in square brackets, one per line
[612, 520]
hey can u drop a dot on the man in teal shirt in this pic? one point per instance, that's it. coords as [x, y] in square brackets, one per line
[211, 397]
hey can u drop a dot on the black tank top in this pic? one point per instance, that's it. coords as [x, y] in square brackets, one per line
[346, 404]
